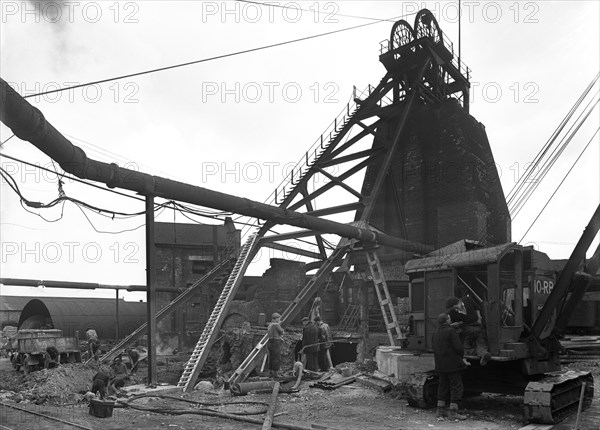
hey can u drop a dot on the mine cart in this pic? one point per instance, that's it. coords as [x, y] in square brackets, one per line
[36, 349]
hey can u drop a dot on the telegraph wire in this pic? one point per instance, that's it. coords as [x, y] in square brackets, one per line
[12, 183]
[62, 209]
[115, 232]
[561, 182]
[2, 143]
[80, 204]
[100, 150]
[73, 178]
[112, 156]
[26, 204]
[180, 207]
[520, 189]
[549, 163]
[91, 184]
[205, 60]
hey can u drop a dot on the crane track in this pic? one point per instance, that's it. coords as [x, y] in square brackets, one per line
[556, 396]
[3, 427]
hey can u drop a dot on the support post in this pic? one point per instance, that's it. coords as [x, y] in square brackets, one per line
[151, 290]
[364, 322]
[117, 314]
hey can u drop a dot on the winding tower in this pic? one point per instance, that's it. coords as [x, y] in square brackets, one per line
[428, 174]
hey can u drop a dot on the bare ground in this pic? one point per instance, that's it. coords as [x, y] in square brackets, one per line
[349, 407]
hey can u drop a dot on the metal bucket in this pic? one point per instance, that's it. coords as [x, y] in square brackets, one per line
[101, 408]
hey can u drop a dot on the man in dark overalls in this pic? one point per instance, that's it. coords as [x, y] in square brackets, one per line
[275, 332]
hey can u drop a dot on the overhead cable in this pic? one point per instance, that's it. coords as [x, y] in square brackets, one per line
[559, 185]
[205, 60]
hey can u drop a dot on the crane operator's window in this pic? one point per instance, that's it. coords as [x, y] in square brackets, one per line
[507, 311]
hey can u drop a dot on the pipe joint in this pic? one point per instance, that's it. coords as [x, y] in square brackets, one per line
[113, 181]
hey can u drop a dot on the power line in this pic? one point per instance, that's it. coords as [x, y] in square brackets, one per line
[516, 195]
[179, 207]
[114, 232]
[547, 156]
[2, 143]
[559, 185]
[112, 156]
[204, 60]
[12, 183]
[41, 216]
[548, 164]
[73, 178]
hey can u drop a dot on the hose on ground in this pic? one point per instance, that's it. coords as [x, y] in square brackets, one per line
[209, 412]
[259, 407]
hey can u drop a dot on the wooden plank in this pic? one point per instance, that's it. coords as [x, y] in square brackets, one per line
[537, 427]
[374, 383]
[272, 405]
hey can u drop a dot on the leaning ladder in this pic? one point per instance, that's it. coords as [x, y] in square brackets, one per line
[202, 349]
[217, 274]
[383, 296]
[291, 312]
[350, 317]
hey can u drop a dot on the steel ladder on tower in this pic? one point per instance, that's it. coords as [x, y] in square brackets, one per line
[383, 296]
[194, 365]
[217, 274]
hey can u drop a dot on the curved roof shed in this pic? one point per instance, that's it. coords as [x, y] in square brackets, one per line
[80, 314]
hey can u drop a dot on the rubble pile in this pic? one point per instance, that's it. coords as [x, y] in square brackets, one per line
[237, 344]
[368, 366]
[64, 384]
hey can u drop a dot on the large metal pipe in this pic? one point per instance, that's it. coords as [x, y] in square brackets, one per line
[14, 282]
[28, 123]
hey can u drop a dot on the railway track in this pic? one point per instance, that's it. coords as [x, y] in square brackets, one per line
[37, 414]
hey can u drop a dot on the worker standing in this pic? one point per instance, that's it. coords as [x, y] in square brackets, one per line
[448, 356]
[93, 343]
[310, 341]
[325, 344]
[275, 332]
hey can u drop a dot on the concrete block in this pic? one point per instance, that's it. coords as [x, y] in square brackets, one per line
[402, 363]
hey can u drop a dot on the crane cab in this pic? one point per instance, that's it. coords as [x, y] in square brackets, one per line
[493, 277]
[505, 281]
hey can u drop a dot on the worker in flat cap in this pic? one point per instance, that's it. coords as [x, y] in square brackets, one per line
[448, 357]
[472, 335]
[275, 333]
[310, 344]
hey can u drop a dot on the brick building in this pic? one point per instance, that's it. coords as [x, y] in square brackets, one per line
[184, 254]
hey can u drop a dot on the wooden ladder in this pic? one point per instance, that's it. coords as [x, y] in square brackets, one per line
[383, 296]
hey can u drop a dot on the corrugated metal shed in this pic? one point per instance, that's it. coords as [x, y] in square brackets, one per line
[78, 314]
[13, 303]
[470, 258]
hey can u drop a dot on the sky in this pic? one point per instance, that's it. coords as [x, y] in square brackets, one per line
[236, 124]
